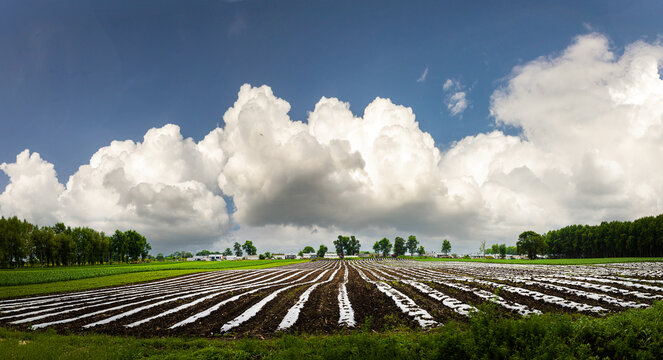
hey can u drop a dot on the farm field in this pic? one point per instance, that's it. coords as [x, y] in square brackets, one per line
[39, 275]
[587, 261]
[330, 296]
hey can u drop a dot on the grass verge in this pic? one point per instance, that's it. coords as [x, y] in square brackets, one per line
[552, 261]
[635, 334]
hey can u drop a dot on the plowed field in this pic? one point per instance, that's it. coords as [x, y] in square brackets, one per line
[325, 296]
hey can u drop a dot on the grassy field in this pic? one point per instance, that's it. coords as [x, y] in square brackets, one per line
[635, 334]
[551, 261]
[35, 281]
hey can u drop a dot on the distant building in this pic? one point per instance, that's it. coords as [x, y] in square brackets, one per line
[232, 257]
[252, 257]
[291, 256]
[311, 255]
[278, 256]
[331, 255]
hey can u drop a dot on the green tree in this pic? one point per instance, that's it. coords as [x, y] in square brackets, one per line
[495, 249]
[65, 248]
[238, 249]
[322, 251]
[502, 250]
[249, 248]
[354, 246]
[376, 247]
[119, 246]
[137, 246]
[203, 253]
[412, 244]
[530, 243]
[421, 251]
[227, 252]
[385, 246]
[160, 257]
[446, 246]
[399, 246]
[308, 249]
[341, 244]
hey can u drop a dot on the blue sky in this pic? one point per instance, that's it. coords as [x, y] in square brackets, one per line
[77, 75]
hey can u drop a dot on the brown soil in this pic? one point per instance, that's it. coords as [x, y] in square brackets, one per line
[373, 309]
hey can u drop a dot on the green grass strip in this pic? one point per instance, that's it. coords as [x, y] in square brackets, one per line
[38, 275]
[635, 334]
[130, 278]
[551, 261]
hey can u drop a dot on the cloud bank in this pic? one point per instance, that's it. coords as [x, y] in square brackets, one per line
[591, 126]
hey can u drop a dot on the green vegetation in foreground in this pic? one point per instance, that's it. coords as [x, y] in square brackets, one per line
[140, 273]
[38, 275]
[553, 261]
[635, 334]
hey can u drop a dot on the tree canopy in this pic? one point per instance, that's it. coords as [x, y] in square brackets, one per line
[237, 248]
[531, 243]
[412, 244]
[21, 242]
[322, 251]
[399, 246]
[642, 237]
[446, 246]
[249, 248]
[383, 246]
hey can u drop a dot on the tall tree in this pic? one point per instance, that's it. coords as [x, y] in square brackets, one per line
[502, 250]
[308, 249]
[385, 246]
[322, 251]
[412, 244]
[446, 246]
[136, 244]
[249, 248]
[354, 246]
[227, 252]
[421, 251]
[341, 244]
[119, 246]
[238, 249]
[531, 243]
[399, 246]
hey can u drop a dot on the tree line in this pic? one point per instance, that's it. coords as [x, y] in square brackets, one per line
[24, 243]
[640, 238]
[400, 246]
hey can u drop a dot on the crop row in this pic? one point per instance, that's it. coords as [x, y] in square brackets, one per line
[322, 295]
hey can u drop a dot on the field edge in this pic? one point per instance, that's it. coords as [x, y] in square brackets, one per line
[631, 334]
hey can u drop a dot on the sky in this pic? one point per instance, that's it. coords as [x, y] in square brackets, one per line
[290, 122]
